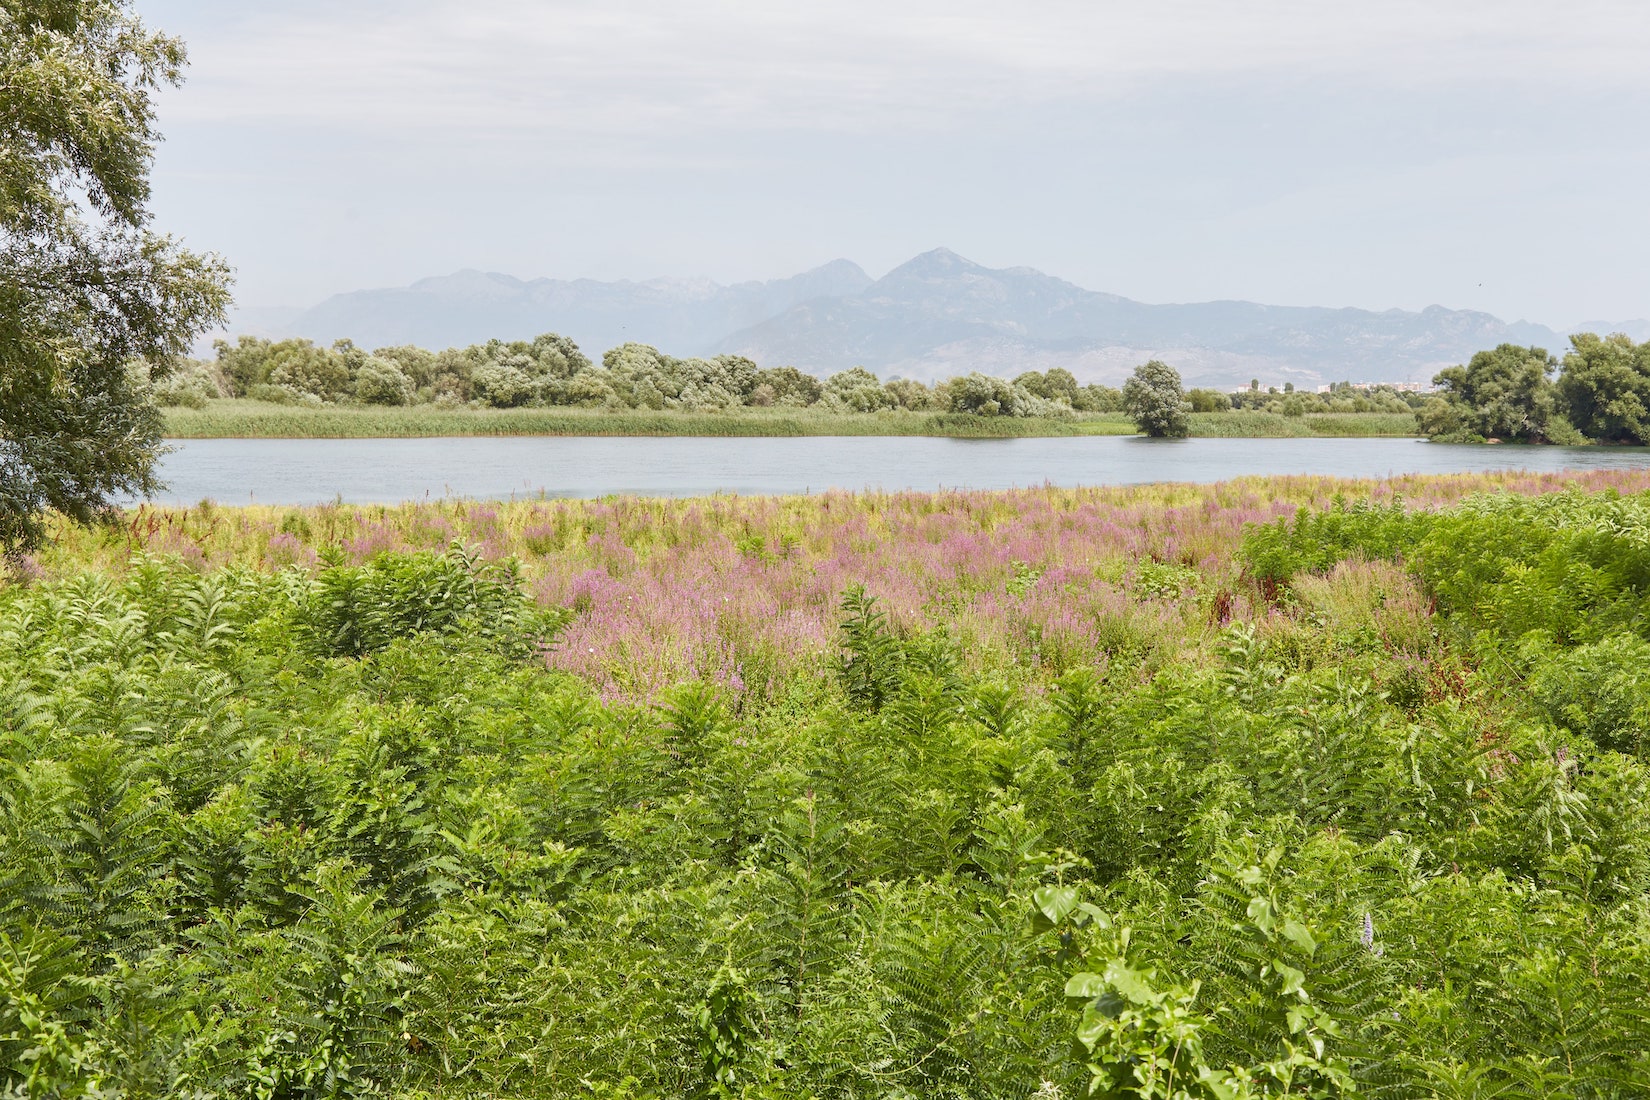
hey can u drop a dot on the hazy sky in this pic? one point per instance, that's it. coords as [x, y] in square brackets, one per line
[1488, 154]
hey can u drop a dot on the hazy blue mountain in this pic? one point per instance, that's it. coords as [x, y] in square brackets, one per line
[939, 314]
[936, 315]
[471, 306]
[1638, 330]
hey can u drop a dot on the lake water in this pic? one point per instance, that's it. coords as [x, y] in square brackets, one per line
[366, 471]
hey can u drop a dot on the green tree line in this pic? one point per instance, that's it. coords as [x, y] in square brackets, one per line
[1288, 401]
[1599, 392]
[1158, 403]
[551, 370]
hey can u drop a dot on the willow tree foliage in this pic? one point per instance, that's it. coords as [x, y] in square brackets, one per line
[1601, 393]
[1155, 401]
[1606, 387]
[87, 288]
[1504, 393]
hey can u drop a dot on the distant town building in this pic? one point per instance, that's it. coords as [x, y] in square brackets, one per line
[1365, 387]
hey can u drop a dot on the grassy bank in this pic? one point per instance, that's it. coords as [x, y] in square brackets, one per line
[1250, 424]
[261, 420]
[257, 419]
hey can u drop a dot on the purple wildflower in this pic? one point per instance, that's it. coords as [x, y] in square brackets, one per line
[1367, 937]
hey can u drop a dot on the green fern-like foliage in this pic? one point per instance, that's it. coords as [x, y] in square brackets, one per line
[106, 852]
[1376, 828]
[357, 610]
[871, 667]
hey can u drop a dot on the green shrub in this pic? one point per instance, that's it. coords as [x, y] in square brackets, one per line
[381, 382]
[1313, 541]
[1573, 565]
[355, 610]
[1600, 691]
[190, 386]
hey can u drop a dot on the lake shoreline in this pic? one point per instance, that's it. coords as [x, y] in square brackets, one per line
[498, 468]
[240, 419]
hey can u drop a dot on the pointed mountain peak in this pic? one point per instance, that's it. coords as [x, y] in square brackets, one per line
[935, 263]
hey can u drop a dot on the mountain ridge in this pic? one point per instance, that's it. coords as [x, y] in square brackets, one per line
[935, 315]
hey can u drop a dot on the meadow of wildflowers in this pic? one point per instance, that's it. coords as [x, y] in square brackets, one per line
[1283, 787]
[747, 589]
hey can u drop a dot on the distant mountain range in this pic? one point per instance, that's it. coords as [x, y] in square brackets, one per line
[934, 316]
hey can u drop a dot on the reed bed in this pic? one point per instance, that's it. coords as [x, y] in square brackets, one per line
[1254, 424]
[232, 419]
[241, 419]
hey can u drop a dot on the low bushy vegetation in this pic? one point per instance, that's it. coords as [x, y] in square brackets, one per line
[1261, 424]
[1288, 403]
[1231, 801]
[551, 372]
[547, 386]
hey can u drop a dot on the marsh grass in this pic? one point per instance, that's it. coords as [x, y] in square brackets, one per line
[241, 419]
[1250, 424]
[263, 420]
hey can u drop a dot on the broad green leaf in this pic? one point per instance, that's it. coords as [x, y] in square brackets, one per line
[1263, 914]
[1295, 932]
[1054, 905]
[1293, 979]
[1085, 985]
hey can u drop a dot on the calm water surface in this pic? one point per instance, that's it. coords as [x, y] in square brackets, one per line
[368, 471]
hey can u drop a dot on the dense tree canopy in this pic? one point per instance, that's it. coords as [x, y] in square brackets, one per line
[1505, 393]
[86, 288]
[550, 370]
[1153, 397]
[1602, 393]
[1606, 387]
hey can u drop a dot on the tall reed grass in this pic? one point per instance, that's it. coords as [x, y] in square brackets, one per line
[1249, 423]
[259, 419]
[235, 419]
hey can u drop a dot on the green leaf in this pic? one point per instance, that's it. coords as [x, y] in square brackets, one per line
[1293, 979]
[1263, 914]
[1221, 1085]
[1085, 985]
[1295, 932]
[1131, 984]
[1091, 1028]
[1099, 916]
[1054, 905]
